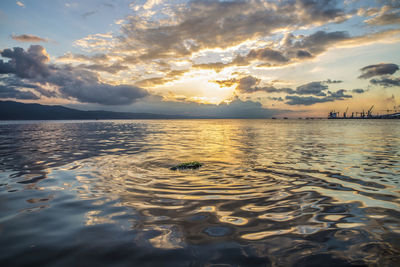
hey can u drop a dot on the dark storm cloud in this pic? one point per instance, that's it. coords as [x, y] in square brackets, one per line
[386, 82]
[72, 82]
[28, 38]
[378, 69]
[9, 92]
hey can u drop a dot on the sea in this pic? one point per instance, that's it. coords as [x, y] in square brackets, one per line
[269, 193]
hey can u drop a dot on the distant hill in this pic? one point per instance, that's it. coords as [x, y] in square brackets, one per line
[10, 110]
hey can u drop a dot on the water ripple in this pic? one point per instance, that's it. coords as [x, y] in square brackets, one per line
[269, 193]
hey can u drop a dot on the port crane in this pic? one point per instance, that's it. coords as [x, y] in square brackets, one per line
[369, 112]
[345, 113]
[366, 114]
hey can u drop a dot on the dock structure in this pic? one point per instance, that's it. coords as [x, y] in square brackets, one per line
[364, 115]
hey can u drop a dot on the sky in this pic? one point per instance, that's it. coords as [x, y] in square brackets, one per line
[250, 59]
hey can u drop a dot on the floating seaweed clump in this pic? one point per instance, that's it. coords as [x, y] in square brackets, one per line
[187, 165]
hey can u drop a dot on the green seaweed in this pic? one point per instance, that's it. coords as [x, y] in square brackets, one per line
[187, 165]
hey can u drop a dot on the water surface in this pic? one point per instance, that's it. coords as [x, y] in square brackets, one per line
[270, 193]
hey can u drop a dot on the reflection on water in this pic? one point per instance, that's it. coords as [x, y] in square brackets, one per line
[270, 193]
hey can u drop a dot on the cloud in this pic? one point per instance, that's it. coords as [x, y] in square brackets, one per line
[9, 92]
[71, 82]
[85, 86]
[387, 15]
[28, 38]
[18, 84]
[168, 77]
[340, 94]
[304, 100]
[25, 64]
[279, 99]
[320, 11]
[318, 42]
[238, 28]
[150, 82]
[236, 108]
[226, 83]
[191, 30]
[386, 19]
[378, 69]
[268, 55]
[102, 93]
[20, 4]
[211, 24]
[358, 91]
[98, 42]
[304, 47]
[312, 88]
[151, 3]
[96, 62]
[306, 94]
[250, 84]
[390, 35]
[109, 5]
[88, 14]
[242, 109]
[112, 68]
[386, 82]
[311, 100]
[329, 81]
[81, 57]
[292, 49]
